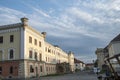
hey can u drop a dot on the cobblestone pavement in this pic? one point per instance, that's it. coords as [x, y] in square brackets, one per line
[75, 76]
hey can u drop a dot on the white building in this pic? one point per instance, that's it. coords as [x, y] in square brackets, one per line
[24, 53]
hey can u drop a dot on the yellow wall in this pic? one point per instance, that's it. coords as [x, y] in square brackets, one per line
[55, 55]
[6, 45]
[32, 46]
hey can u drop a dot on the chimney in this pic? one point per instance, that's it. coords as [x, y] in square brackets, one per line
[24, 21]
[44, 34]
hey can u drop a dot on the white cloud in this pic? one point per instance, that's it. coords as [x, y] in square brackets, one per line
[9, 16]
[86, 59]
[41, 12]
[76, 12]
[64, 24]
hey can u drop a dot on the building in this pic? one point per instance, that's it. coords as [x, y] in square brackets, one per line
[79, 65]
[100, 57]
[113, 48]
[24, 53]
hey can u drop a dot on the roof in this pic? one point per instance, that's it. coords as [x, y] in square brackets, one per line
[117, 38]
[77, 61]
[89, 64]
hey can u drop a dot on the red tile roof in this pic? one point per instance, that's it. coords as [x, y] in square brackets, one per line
[77, 61]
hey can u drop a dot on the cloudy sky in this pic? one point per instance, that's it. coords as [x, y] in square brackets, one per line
[79, 26]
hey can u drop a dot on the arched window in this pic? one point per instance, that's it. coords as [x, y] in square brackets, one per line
[11, 54]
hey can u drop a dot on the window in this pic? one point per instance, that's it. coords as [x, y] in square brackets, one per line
[11, 38]
[46, 59]
[1, 39]
[39, 44]
[46, 49]
[11, 56]
[40, 57]
[49, 50]
[40, 68]
[11, 69]
[1, 55]
[30, 54]
[30, 39]
[76, 65]
[35, 56]
[46, 68]
[31, 69]
[0, 70]
[49, 68]
[35, 41]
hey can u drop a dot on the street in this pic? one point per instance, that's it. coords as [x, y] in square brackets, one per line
[86, 75]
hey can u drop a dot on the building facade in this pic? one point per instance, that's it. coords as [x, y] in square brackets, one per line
[24, 53]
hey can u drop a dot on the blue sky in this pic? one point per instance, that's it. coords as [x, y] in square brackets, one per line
[79, 26]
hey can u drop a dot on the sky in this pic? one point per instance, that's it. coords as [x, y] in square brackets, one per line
[79, 26]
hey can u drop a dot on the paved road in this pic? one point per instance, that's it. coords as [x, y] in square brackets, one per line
[86, 75]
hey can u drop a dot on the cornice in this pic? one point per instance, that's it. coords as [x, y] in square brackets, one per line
[10, 26]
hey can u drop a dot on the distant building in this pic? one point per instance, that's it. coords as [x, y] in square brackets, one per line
[79, 65]
[24, 53]
[89, 65]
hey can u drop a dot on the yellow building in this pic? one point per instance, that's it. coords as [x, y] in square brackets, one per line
[24, 52]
